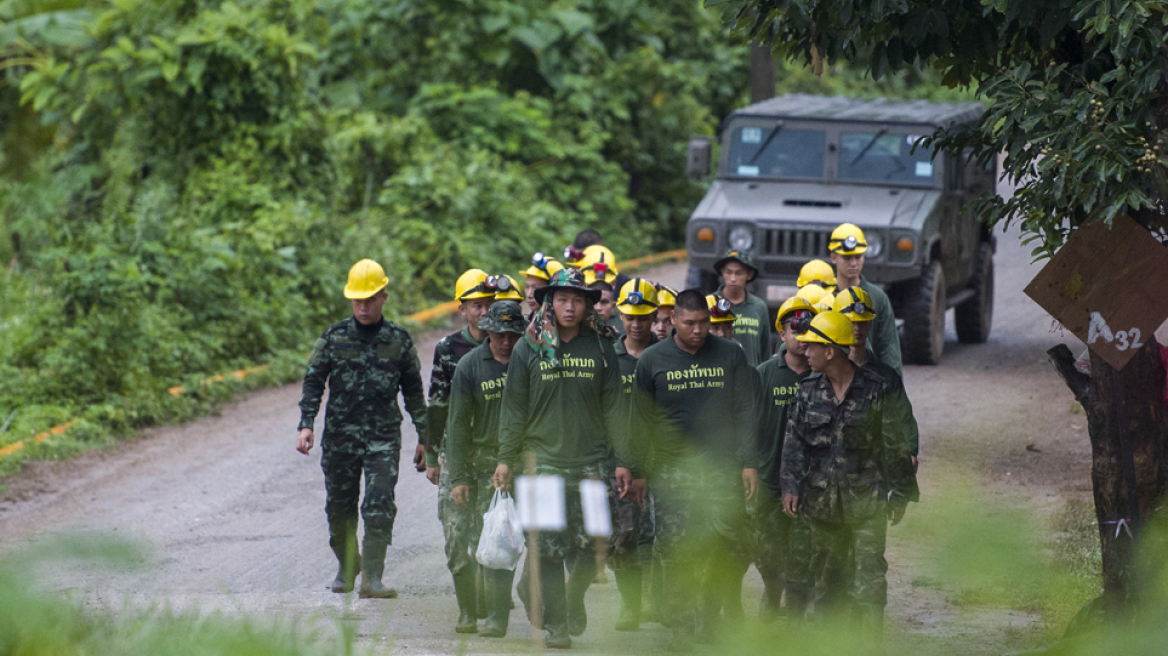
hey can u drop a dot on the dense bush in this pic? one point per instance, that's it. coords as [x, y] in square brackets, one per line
[204, 172]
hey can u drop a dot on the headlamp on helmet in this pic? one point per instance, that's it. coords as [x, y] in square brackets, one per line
[539, 261]
[573, 254]
[721, 309]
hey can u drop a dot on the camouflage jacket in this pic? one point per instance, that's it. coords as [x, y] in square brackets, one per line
[364, 371]
[447, 352]
[845, 460]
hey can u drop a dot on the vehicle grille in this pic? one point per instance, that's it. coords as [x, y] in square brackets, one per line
[795, 243]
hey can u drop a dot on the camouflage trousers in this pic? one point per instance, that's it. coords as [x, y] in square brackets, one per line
[783, 547]
[848, 566]
[702, 532]
[342, 482]
[462, 526]
[572, 542]
[626, 526]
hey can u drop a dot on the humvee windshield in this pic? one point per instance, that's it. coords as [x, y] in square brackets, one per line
[875, 156]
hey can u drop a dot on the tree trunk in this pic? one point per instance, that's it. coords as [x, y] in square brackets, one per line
[762, 72]
[1127, 420]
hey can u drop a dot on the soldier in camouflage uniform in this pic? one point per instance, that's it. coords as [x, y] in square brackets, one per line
[475, 291]
[365, 361]
[847, 469]
[472, 445]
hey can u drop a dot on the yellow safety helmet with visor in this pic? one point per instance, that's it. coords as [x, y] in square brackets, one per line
[816, 272]
[719, 309]
[829, 328]
[542, 267]
[847, 239]
[509, 291]
[803, 311]
[472, 284]
[855, 304]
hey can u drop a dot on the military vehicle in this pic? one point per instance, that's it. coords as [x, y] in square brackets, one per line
[794, 167]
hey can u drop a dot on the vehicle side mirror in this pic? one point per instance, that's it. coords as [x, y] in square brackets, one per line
[697, 161]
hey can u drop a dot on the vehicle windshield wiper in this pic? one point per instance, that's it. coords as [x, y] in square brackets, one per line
[766, 142]
[868, 146]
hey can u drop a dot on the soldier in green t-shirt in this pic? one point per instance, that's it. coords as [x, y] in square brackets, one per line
[695, 411]
[784, 544]
[472, 447]
[848, 246]
[753, 326]
[562, 404]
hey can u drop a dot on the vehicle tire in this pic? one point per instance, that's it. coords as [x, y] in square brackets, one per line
[975, 316]
[924, 317]
[698, 278]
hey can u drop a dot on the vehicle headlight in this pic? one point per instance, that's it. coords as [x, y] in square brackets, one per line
[875, 244]
[741, 238]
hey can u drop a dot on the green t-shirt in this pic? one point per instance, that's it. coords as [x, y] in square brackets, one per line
[568, 415]
[752, 329]
[779, 385]
[472, 423]
[628, 366]
[696, 405]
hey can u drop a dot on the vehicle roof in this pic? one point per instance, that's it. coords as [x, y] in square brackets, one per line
[879, 110]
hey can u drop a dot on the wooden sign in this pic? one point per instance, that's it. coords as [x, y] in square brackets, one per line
[1108, 286]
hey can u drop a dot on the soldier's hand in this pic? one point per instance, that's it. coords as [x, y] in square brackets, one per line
[502, 477]
[791, 506]
[751, 482]
[420, 458]
[895, 514]
[461, 494]
[304, 441]
[624, 479]
[433, 474]
[916, 464]
[637, 490]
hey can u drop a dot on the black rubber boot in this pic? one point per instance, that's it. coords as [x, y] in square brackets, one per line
[582, 576]
[555, 602]
[798, 598]
[343, 540]
[498, 595]
[628, 582]
[464, 591]
[372, 567]
[772, 593]
[482, 604]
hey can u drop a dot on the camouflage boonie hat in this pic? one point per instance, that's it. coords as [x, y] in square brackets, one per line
[503, 317]
[568, 278]
[741, 257]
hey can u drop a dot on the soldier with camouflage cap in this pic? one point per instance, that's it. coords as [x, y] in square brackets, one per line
[472, 445]
[475, 292]
[365, 361]
[752, 326]
[561, 403]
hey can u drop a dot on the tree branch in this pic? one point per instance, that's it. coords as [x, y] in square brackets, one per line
[1080, 383]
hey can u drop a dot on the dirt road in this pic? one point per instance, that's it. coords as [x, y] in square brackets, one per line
[234, 520]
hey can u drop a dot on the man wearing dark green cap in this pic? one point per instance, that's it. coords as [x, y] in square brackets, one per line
[472, 445]
[752, 329]
[562, 404]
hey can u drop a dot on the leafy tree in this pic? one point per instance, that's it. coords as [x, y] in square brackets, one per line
[1078, 103]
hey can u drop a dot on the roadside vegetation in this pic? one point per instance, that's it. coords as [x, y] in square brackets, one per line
[183, 184]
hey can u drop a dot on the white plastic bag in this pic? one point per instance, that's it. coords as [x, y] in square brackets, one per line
[501, 544]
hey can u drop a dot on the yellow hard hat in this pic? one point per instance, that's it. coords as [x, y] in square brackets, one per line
[598, 263]
[811, 293]
[816, 272]
[637, 297]
[472, 285]
[800, 306]
[542, 267]
[511, 293]
[666, 296]
[847, 239]
[366, 278]
[719, 309]
[829, 328]
[855, 304]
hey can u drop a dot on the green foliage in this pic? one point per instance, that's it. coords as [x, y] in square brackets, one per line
[202, 173]
[1077, 91]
